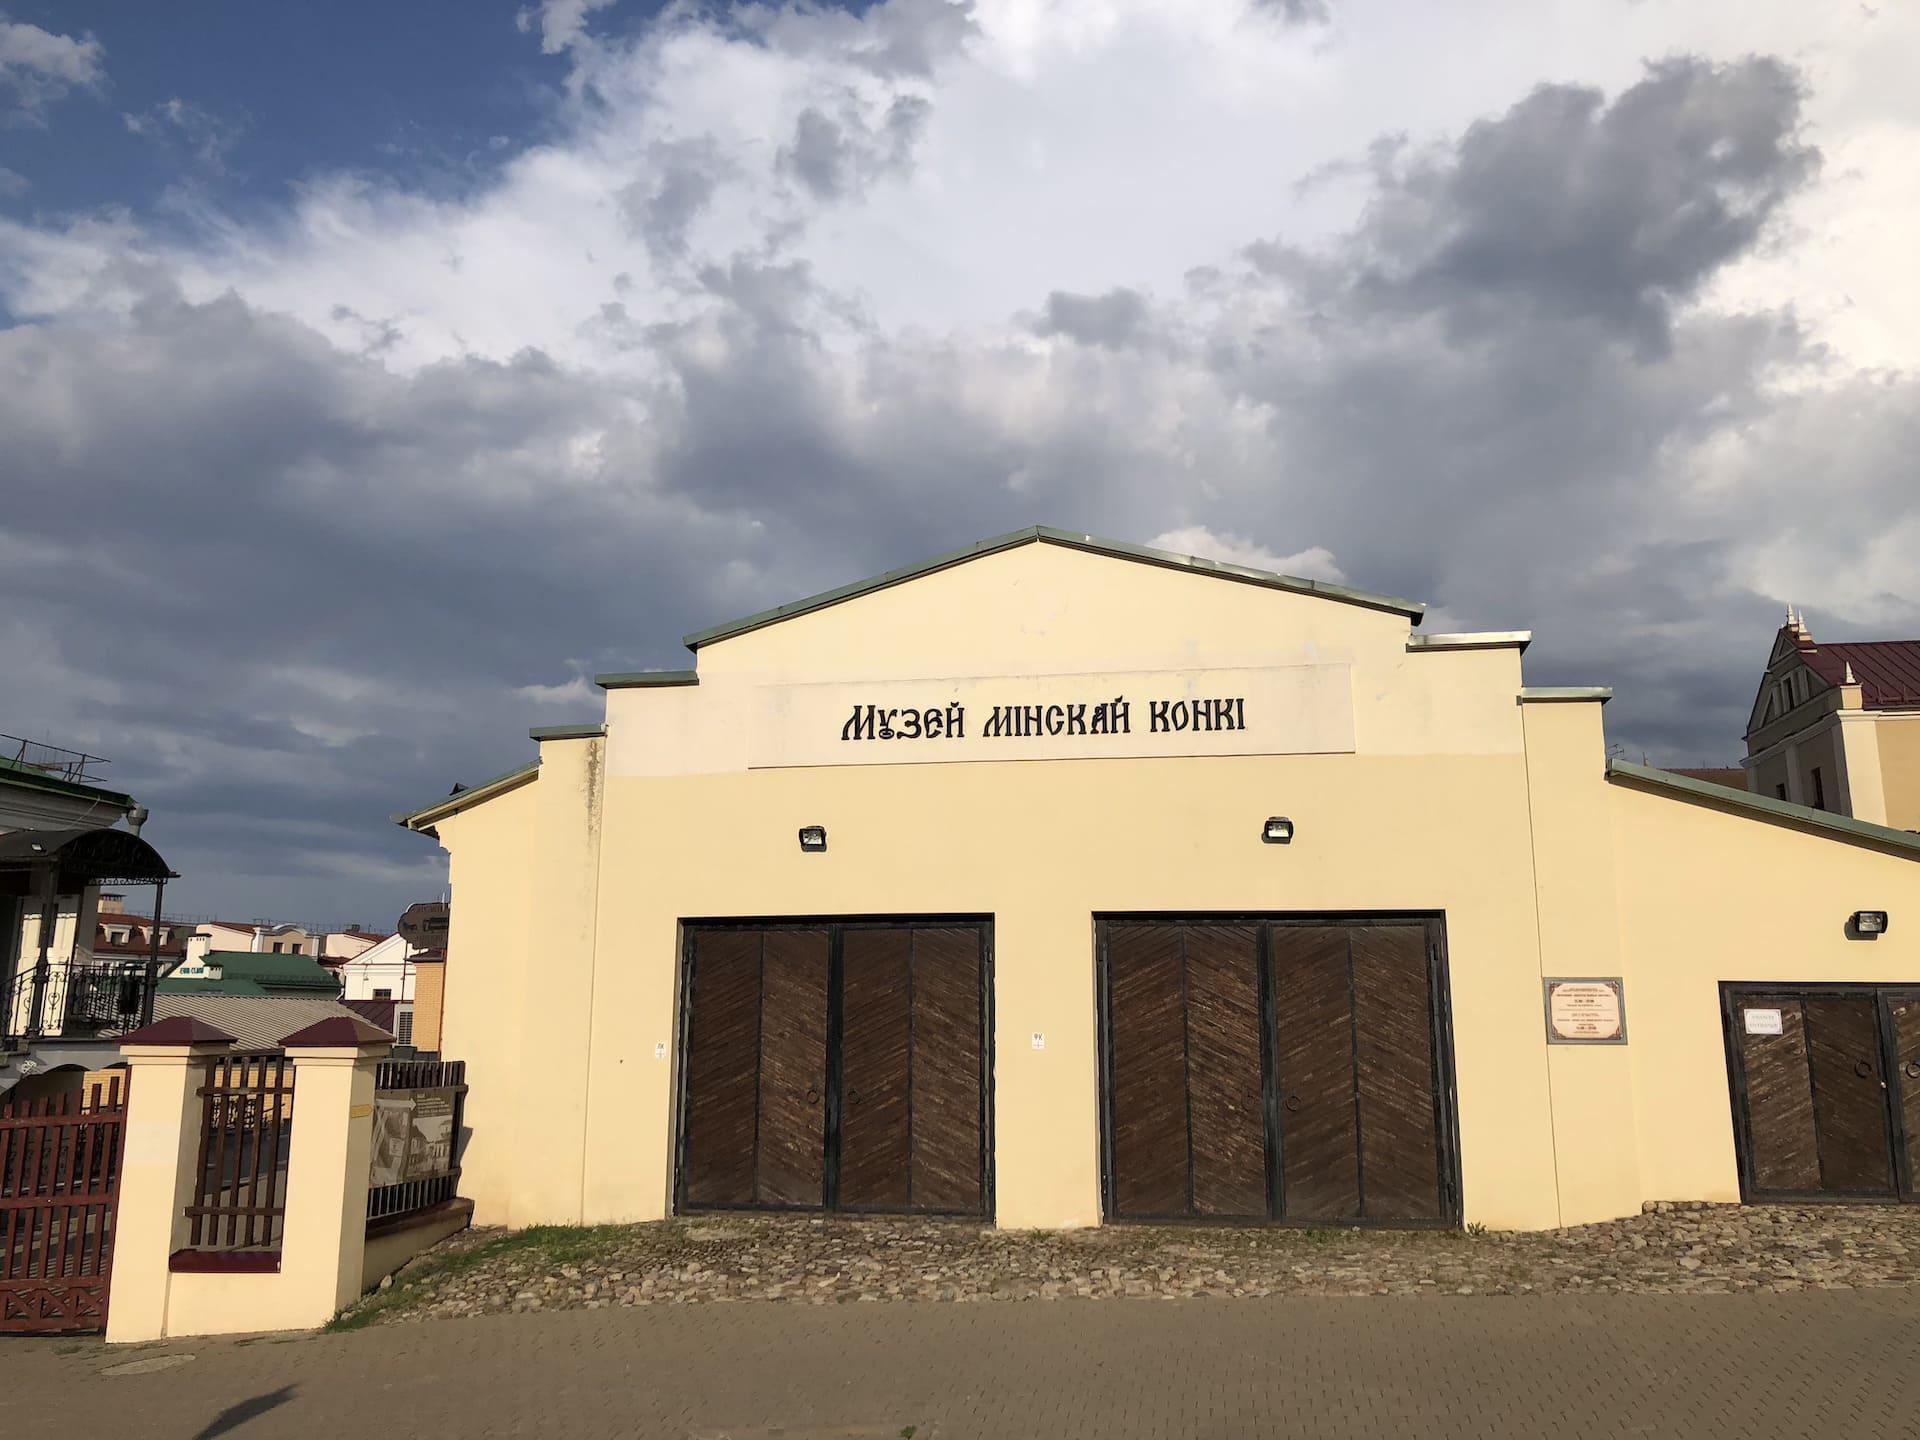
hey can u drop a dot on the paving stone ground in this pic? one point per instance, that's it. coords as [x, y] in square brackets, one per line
[1676, 1250]
[1819, 1363]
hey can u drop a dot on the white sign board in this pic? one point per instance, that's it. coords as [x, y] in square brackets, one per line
[1590, 1012]
[1762, 1022]
[1280, 710]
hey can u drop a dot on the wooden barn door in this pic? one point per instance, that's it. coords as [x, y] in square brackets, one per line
[1187, 1136]
[1816, 1116]
[911, 1048]
[836, 1066]
[756, 1069]
[1274, 1069]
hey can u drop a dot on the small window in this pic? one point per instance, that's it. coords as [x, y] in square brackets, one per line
[383, 993]
[276, 947]
[1819, 791]
[1780, 792]
[403, 1027]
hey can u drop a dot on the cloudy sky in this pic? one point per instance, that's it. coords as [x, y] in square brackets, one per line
[372, 374]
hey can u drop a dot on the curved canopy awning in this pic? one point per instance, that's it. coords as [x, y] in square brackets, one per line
[85, 857]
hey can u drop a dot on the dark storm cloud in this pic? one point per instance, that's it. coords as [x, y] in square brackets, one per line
[1115, 319]
[1609, 211]
[835, 159]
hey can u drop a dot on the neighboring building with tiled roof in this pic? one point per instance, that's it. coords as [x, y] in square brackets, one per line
[256, 1022]
[1836, 725]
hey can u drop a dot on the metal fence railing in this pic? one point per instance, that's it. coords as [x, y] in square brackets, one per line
[246, 1140]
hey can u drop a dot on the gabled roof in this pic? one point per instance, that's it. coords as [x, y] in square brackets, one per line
[1044, 535]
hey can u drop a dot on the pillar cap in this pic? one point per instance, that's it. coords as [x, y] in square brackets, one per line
[337, 1032]
[177, 1030]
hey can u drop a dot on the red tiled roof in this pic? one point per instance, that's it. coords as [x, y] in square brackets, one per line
[1888, 670]
[1733, 777]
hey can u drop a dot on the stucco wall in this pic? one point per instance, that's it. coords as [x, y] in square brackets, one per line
[1899, 747]
[490, 852]
[1707, 895]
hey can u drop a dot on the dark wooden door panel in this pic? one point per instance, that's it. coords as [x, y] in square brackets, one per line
[876, 1001]
[1147, 1060]
[1224, 1101]
[723, 1055]
[1905, 1011]
[1314, 1047]
[1782, 1147]
[1849, 1096]
[947, 1064]
[1393, 1026]
[793, 1069]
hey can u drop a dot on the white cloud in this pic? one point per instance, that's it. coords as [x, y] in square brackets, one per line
[1316, 562]
[39, 67]
[562, 23]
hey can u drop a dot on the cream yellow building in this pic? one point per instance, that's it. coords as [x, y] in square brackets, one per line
[1837, 727]
[1060, 881]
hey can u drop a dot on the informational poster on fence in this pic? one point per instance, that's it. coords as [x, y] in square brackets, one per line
[392, 1125]
[412, 1136]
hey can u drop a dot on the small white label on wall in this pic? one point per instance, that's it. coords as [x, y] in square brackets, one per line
[1039, 1041]
[1762, 1022]
[660, 1050]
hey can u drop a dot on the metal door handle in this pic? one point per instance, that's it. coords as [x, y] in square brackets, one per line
[1863, 1068]
[813, 1097]
[1912, 1069]
[853, 1097]
[1293, 1103]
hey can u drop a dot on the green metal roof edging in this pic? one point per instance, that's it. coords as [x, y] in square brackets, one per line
[591, 731]
[1539, 694]
[1413, 610]
[447, 804]
[30, 779]
[637, 679]
[1474, 640]
[1785, 811]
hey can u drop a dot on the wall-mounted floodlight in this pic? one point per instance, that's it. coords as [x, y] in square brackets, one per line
[813, 837]
[1277, 831]
[1869, 922]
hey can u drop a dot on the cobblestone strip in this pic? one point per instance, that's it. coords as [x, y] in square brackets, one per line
[1673, 1249]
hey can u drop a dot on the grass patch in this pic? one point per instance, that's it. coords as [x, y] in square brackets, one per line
[541, 1248]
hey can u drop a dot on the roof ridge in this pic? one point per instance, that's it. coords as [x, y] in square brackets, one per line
[1093, 544]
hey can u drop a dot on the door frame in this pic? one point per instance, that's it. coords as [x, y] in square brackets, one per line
[836, 927]
[1446, 1098]
[1906, 1184]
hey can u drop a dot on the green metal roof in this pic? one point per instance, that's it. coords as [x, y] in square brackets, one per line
[222, 986]
[471, 795]
[1042, 534]
[1843, 827]
[26, 777]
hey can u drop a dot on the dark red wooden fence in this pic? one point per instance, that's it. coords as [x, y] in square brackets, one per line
[59, 1186]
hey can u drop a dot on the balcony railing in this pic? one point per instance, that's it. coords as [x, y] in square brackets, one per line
[62, 764]
[81, 998]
